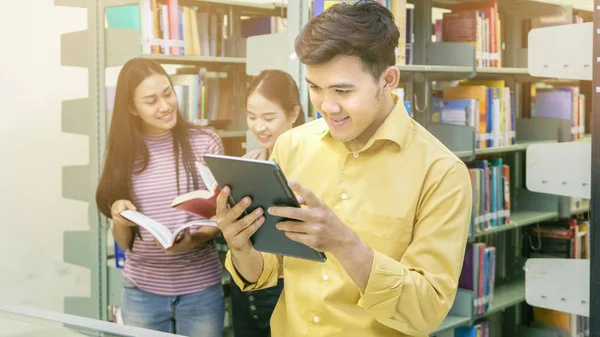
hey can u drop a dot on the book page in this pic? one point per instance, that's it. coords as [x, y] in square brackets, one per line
[207, 177]
[194, 223]
[158, 230]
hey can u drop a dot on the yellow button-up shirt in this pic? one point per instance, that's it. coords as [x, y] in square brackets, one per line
[407, 197]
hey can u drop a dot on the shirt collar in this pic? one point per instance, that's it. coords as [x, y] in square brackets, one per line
[395, 128]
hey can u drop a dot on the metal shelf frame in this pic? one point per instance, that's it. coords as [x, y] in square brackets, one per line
[595, 187]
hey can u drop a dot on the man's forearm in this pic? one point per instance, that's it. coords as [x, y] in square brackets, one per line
[356, 259]
[248, 264]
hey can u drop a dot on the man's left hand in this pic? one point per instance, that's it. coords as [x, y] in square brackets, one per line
[318, 226]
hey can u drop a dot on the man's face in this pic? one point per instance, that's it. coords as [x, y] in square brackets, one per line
[347, 97]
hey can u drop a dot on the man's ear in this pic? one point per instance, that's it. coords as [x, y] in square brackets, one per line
[295, 114]
[391, 78]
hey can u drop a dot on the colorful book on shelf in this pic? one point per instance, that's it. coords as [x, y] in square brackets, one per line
[186, 87]
[163, 235]
[490, 31]
[490, 271]
[561, 102]
[479, 93]
[463, 27]
[490, 180]
[477, 274]
[457, 112]
[500, 113]
[204, 95]
[172, 27]
[399, 10]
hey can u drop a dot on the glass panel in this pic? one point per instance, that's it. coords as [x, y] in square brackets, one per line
[22, 321]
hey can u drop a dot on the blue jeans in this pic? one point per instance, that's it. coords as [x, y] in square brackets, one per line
[252, 310]
[200, 314]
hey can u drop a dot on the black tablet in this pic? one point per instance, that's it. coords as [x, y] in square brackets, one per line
[265, 183]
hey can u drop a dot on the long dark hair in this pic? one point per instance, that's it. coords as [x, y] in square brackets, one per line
[125, 144]
[279, 87]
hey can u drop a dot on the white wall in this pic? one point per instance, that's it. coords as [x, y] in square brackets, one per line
[34, 214]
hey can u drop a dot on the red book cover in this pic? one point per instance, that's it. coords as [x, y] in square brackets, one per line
[200, 202]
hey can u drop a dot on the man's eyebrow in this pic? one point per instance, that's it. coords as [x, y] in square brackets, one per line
[341, 85]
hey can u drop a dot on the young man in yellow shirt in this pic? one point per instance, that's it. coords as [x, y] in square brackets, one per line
[384, 199]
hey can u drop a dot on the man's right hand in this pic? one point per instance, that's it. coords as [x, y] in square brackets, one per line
[116, 209]
[236, 232]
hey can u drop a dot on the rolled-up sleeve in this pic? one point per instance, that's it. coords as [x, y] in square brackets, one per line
[415, 294]
[268, 277]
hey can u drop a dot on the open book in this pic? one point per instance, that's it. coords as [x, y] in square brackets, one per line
[200, 202]
[164, 236]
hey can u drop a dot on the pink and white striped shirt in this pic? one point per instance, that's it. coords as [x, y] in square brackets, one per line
[147, 266]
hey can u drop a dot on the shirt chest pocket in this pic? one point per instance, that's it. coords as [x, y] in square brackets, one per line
[387, 234]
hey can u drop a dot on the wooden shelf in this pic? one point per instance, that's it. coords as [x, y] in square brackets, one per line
[520, 219]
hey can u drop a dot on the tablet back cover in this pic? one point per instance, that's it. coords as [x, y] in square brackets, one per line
[265, 184]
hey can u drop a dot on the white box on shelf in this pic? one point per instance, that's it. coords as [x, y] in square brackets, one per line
[558, 284]
[560, 168]
[561, 51]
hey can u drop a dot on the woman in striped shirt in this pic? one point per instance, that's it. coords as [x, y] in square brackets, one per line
[273, 107]
[150, 159]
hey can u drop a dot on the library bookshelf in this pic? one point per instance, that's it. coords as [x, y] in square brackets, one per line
[433, 65]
